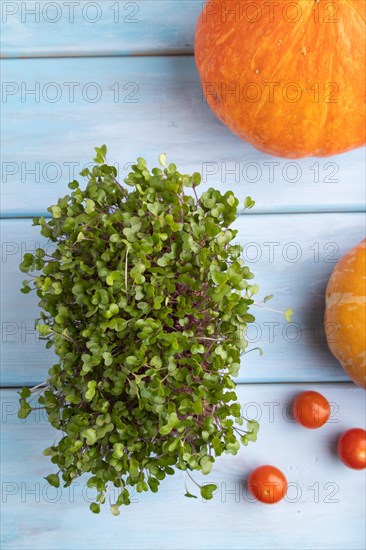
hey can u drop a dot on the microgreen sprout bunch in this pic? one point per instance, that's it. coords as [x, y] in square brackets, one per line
[145, 300]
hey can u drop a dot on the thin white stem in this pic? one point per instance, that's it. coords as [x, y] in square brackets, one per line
[39, 386]
[63, 336]
[259, 304]
[195, 193]
[126, 268]
[194, 481]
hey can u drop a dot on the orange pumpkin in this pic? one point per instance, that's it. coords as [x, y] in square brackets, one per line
[345, 314]
[288, 77]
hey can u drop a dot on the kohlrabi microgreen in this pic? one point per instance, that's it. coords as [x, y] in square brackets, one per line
[145, 300]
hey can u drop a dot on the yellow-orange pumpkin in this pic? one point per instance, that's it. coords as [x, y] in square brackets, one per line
[288, 77]
[345, 315]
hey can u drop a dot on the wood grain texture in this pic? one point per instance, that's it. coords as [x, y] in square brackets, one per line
[291, 256]
[142, 107]
[324, 508]
[105, 27]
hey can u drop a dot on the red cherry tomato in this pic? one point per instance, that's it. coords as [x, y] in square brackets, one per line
[267, 484]
[352, 448]
[311, 409]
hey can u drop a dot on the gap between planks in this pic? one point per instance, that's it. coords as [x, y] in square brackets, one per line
[239, 383]
[361, 210]
[170, 53]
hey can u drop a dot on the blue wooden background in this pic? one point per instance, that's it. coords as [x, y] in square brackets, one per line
[122, 73]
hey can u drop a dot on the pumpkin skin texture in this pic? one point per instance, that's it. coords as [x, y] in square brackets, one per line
[345, 313]
[287, 77]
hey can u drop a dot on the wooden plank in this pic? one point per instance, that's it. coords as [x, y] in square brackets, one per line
[118, 27]
[292, 257]
[146, 106]
[324, 508]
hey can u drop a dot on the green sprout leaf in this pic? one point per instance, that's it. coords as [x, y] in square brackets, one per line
[24, 393]
[24, 410]
[90, 436]
[56, 211]
[248, 203]
[189, 495]
[288, 315]
[43, 330]
[53, 480]
[162, 160]
[207, 491]
[95, 508]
